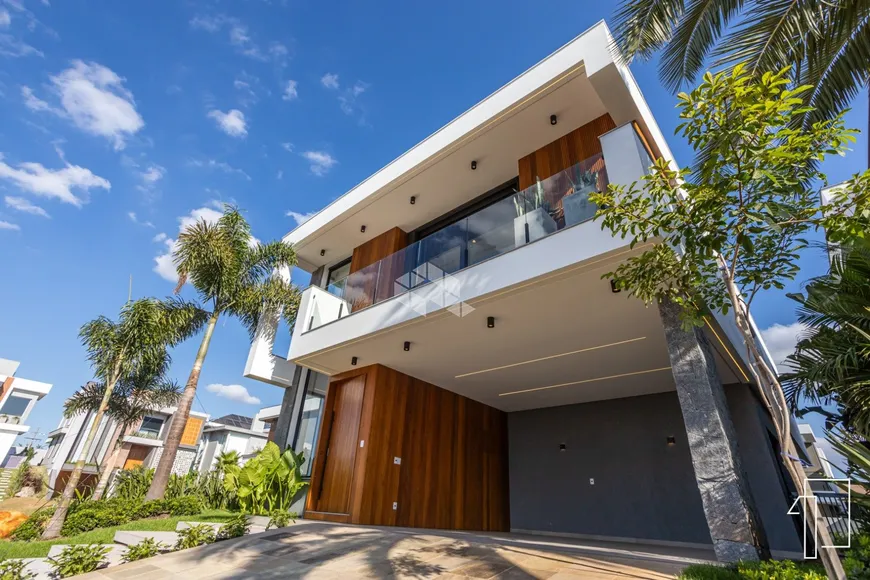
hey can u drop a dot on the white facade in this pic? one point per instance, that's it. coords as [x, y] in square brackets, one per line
[18, 396]
[219, 437]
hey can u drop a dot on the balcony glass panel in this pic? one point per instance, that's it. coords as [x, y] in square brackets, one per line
[550, 205]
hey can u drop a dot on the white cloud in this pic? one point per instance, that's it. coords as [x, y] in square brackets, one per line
[94, 98]
[278, 50]
[207, 23]
[781, 340]
[153, 174]
[348, 98]
[232, 122]
[14, 48]
[236, 393]
[23, 205]
[239, 36]
[5, 19]
[329, 80]
[280, 174]
[321, 162]
[290, 91]
[300, 218]
[135, 220]
[163, 264]
[288, 147]
[159, 238]
[9, 226]
[219, 165]
[53, 183]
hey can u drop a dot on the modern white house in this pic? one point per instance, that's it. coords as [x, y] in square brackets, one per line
[244, 435]
[18, 397]
[143, 445]
[458, 362]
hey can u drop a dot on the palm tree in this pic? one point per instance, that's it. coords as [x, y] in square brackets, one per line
[831, 365]
[117, 351]
[825, 44]
[233, 275]
[132, 398]
[227, 460]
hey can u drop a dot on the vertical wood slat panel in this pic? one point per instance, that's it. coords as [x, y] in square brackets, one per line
[581, 143]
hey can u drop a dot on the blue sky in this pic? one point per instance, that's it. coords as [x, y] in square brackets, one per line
[123, 121]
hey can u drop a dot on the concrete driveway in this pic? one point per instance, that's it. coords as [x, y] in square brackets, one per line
[321, 550]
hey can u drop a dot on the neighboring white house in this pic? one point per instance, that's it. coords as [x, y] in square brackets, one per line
[18, 396]
[244, 435]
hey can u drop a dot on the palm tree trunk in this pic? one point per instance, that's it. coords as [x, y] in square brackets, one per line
[109, 461]
[52, 530]
[179, 420]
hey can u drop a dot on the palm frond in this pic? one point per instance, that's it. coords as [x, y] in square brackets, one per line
[274, 294]
[644, 26]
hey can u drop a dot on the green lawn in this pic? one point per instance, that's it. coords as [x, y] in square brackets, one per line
[10, 549]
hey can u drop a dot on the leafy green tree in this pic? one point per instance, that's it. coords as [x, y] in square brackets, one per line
[825, 45]
[133, 397]
[136, 343]
[234, 275]
[713, 237]
[831, 363]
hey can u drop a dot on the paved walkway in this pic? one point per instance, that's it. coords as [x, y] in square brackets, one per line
[315, 550]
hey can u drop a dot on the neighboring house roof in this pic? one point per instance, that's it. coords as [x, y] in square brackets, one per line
[235, 421]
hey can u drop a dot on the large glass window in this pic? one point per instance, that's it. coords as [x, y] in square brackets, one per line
[310, 419]
[15, 406]
[337, 277]
[151, 427]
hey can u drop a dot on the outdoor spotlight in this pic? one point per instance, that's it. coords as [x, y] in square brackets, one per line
[407, 346]
[363, 229]
[322, 252]
[614, 288]
[672, 441]
[562, 447]
[413, 199]
[553, 119]
[473, 165]
[490, 321]
[353, 360]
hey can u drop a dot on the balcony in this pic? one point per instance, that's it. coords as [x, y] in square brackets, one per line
[547, 207]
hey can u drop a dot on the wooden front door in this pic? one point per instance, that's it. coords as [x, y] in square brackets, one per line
[334, 488]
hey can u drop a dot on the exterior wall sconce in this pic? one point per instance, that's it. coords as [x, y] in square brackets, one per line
[473, 165]
[614, 288]
[553, 119]
[362, 229]
[407, 346]
[353, 360]
[322, 252]
[413, 199]
[671, 440]
[490, 321]
[562, 447]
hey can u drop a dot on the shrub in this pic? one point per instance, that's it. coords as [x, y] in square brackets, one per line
[79, 559]
[133, 484]
[152, 508]
[280, 519]
[147, 548]
[14, 570]
[26, 475]
[236, 527]
[709, 572]
[34, 526]
[269, 481]
[184, 506]
[179, 486]
[856, 560]
[767, 570]
[194, 536]
[89, 515]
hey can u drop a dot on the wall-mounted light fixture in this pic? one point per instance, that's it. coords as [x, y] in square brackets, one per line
[413, 199]
[490, 321]
[614, 288]
[353, 360]
[322, 252]
[473, 165]
[671, 440]
[407, 346]
[562, 447]
[553, 119]
[362, 229]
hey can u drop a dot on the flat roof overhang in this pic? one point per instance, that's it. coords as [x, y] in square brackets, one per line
[559, 340]
[579, 82]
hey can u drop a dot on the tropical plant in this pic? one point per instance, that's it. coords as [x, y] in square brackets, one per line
[236, 527]
[233, 275]
[79, 559]
[226, 460]
[195, 535]
[143, 391]
[136, 343]
[147, 548]
[214, 494]
[831, 364]
[825, 45]
[15, 570]
[133, 484]
[186, 485]
[26, 475]
[280, 519]
[33, 527]
[713, 237]
[767, 570]
[268, 482]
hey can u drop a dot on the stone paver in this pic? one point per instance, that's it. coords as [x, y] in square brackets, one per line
[318, 550]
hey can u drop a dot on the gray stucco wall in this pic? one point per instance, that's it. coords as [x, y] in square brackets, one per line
[643, 488]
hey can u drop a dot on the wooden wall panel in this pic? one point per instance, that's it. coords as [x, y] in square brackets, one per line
[453, 470]
[377, 284]
[581, 143]
[377, 248]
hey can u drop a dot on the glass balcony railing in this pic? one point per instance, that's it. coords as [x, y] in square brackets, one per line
[550, 205]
